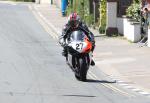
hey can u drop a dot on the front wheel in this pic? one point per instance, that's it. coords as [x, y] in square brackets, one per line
[83, 68]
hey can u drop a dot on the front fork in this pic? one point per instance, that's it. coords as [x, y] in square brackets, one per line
[75, 59]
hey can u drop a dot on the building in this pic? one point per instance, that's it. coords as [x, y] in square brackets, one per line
[115, 11]
[122, 5]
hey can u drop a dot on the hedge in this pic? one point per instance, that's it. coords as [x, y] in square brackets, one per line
[82, 8]
[102, 10]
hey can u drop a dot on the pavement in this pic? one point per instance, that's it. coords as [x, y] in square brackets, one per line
[126, 62]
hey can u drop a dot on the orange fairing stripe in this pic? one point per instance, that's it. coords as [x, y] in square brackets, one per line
[89, 46]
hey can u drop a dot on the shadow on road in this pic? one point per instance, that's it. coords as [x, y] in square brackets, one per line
[79, 96]
[100, 81]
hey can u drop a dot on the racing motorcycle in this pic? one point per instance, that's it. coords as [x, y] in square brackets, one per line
[79, 54]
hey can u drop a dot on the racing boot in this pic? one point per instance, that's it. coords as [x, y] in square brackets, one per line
[64, 52]
[92, 63]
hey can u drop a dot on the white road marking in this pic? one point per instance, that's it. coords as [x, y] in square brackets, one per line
[117, 60]
[49, 23]
[43, 22]
[111, 86]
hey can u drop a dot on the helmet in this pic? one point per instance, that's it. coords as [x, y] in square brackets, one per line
[74, 20]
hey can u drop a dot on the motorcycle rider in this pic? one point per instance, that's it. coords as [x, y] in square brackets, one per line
[75, 23]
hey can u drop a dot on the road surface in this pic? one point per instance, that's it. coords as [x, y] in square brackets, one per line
[32, 69]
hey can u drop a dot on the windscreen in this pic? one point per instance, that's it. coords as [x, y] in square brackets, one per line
[77, 35]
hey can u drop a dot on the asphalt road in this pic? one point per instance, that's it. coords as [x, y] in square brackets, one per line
[32, 69]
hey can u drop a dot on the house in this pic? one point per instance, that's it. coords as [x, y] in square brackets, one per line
[115, 11]
[117, 23]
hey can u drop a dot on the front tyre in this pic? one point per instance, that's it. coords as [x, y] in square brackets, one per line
[83, 68]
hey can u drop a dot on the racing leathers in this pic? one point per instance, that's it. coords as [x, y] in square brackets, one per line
[68, 29]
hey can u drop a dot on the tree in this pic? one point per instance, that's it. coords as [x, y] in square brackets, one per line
[133, 11]
[102, 10]
[136, 1]
[82, 8]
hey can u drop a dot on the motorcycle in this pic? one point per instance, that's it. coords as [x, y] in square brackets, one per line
[79, 54]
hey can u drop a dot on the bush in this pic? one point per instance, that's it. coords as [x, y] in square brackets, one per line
[69, 10]
[102, 10]
[133, 11]
[136, 1]
[82, 8]
[89, 19]
[76, 6]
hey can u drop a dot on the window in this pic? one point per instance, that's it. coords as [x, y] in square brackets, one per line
[122, 6]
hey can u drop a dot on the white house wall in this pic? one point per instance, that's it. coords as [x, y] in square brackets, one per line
[131, 31]
[128, 29]
[111, 14]
[45, 1]
[120, 25]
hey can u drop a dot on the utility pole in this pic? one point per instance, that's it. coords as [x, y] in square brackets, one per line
[51, 2]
